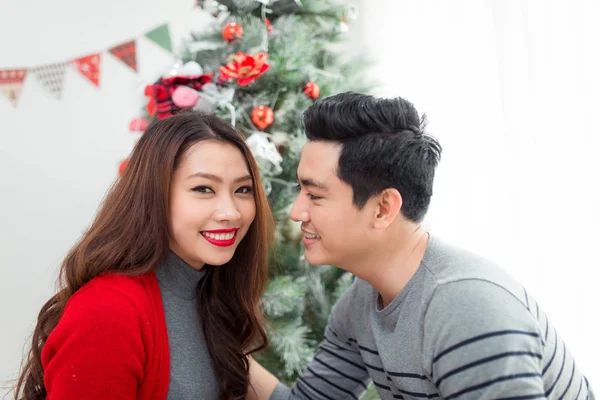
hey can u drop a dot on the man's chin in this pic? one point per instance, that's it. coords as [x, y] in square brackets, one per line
[315, 259]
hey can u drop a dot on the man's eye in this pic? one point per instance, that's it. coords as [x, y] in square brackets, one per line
[313, 197]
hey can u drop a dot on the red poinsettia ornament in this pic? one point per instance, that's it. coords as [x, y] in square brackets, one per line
[245, 68]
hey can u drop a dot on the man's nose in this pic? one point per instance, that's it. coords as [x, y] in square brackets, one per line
[298, 211]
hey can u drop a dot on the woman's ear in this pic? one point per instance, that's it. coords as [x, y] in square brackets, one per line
[389, 203]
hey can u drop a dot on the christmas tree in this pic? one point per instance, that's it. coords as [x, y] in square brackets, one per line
[260, 64]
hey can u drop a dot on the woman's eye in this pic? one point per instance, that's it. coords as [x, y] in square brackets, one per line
[245, 189]
[203, 189]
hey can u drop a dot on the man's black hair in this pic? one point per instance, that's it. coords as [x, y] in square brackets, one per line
[383, 146]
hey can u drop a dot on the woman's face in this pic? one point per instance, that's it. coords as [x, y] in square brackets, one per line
[211, 203]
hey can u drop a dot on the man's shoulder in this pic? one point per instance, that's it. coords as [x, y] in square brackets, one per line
[447, 263]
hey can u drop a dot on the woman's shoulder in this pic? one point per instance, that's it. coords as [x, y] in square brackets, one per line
[106, 309]
[117, 292]
[127, 284]
[107, 330]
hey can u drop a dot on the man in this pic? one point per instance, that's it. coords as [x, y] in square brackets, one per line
[423, 319]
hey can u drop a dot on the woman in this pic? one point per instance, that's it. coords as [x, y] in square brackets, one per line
[160, 299]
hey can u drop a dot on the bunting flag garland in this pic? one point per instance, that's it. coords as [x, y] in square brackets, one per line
[89, 66]
[11, 84]
[126, 53]
[52, 77]
[161, 37]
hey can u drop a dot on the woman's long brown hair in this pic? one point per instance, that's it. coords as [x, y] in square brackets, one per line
[129, 235]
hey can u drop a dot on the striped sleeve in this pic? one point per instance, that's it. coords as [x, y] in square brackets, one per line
[337, 371]
[481, 342]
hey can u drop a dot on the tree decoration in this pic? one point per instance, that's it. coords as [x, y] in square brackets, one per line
[269, 25]
[122, 167]
[312, 90]
[262, 117]
[232, 31]
[245, 68]
[161, 93]
[139, 124]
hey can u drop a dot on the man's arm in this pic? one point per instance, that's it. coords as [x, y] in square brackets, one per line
[336, 372]
[262, 382]
[482, 342]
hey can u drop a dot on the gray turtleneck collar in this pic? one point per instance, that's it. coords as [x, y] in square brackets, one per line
[192, 376]
[179, 277]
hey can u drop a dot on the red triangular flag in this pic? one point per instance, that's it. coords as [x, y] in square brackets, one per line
[126, 53]
[11, 83]
[89, 66]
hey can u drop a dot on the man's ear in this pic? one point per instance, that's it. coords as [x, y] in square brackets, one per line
[389, 203]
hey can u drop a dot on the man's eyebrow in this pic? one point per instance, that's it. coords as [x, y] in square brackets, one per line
[311, 183]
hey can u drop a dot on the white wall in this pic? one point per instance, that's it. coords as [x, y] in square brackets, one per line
[516, 117]
[512, 90]
[58, 157]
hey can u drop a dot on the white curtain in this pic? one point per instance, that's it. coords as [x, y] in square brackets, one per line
[512, 91]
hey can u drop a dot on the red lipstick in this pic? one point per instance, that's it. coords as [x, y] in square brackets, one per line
[220, 242]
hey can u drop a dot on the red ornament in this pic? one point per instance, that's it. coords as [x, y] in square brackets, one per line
[245, 68]
[232, 31]
[312, 90]
[139, 124]
[269, 25]
[262, 117]
[122, 167]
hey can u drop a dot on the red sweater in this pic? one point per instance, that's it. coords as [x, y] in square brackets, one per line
[110, 343]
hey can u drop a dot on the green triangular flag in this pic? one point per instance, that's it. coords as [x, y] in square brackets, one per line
[161, 37]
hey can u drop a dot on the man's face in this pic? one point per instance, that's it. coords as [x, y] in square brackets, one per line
[335, 232]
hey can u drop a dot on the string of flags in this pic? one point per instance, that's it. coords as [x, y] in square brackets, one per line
[51, 76]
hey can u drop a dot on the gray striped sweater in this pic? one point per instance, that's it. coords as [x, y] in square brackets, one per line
[462, 328]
